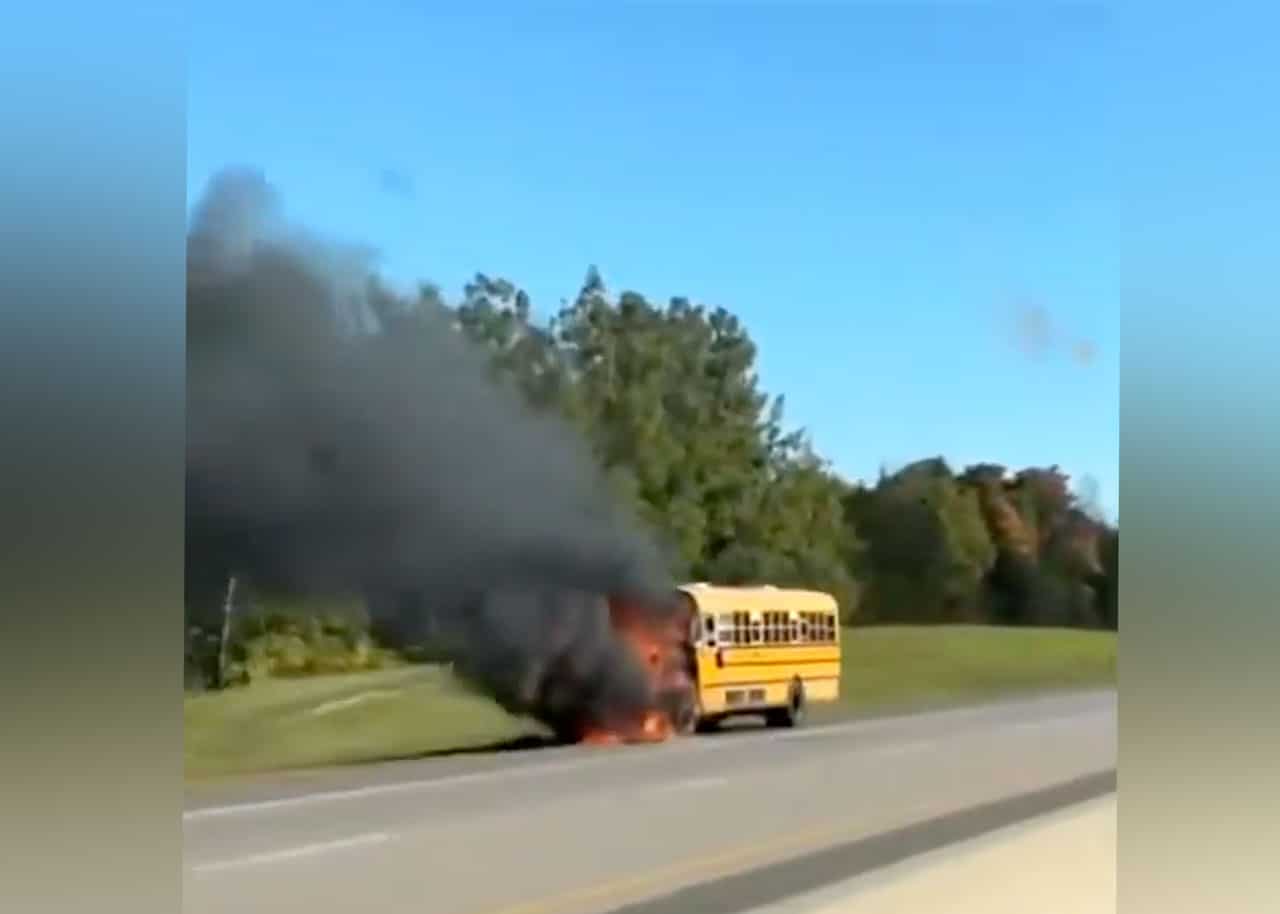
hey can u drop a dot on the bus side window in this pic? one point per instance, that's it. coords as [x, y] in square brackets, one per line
[709, 630]
[727, 631]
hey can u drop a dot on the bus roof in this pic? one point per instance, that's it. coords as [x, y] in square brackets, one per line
[713, 598]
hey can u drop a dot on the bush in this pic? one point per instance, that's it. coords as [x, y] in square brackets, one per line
[277, 645]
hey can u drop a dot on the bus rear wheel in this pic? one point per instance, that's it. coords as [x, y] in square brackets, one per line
[709, 724]
[793, 714]
[686, 721]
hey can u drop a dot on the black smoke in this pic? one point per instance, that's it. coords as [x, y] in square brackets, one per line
[343, 439]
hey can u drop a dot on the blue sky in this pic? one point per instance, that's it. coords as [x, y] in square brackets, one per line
[913, 211]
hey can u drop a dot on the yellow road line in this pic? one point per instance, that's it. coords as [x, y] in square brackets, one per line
[625, 889]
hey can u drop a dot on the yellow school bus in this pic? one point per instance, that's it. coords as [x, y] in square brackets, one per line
[762, 650]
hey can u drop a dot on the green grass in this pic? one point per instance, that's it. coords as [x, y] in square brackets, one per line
[397, 713]
[422, 709]
[894, 667]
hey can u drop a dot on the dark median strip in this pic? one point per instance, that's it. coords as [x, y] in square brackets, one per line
[788, 878]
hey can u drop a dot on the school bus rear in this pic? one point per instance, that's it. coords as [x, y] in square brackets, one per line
[763, 650]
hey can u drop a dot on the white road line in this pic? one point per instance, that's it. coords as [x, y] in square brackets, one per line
[293, 853]
[1053, 721]
[373, 790]
[692, 784]
[533, 770]
[915, 745]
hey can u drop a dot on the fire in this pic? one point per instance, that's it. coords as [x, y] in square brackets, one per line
[598, 736]
[652, 726]
[658, 648]
[656, 725]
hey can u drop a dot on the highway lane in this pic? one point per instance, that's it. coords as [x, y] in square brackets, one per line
[579, 830]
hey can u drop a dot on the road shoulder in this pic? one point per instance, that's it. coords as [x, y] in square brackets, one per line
[1016, 869]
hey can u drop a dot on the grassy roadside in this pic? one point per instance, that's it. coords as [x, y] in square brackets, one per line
[902, 667]
[419, 710]
[292, 723]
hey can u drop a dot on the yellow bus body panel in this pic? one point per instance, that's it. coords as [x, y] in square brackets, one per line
[745, 678]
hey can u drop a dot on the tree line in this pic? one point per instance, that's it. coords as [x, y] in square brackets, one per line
[669, 398]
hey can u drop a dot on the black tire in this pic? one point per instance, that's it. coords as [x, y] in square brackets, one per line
[794, 713]
[682, 710]
[707, 724]
[686, 722]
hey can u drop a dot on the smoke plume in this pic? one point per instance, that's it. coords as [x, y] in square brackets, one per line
[1036, 334]
[343, 440]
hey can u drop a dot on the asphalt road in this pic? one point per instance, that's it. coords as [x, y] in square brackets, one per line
[719, 823]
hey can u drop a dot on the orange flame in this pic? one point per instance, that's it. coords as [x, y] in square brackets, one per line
[649, 727]
[655, 646]
[596, 736]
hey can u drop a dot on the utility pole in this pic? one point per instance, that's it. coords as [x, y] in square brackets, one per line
[228, 606]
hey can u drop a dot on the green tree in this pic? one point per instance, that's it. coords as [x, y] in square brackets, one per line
[1109, 585]
[497, 315]
[928, 548]
[669, 400]
[800, 535]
